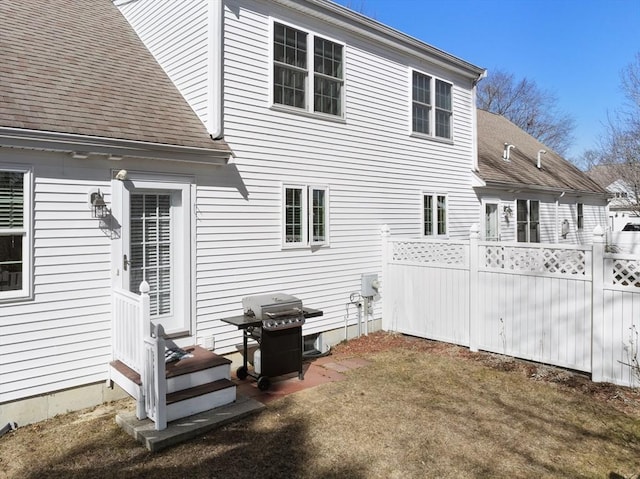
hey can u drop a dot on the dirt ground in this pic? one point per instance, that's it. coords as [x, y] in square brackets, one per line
[419, 409]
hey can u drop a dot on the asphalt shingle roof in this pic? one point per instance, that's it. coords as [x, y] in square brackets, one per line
[556, 172]
[77, 67]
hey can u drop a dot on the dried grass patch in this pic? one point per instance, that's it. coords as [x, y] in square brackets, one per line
[420, 409]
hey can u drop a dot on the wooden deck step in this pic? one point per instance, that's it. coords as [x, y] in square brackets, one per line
[126, 371]
[199, 390]
[197, 399]
[202, 359]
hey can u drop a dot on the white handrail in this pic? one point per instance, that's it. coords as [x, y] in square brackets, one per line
[127, 329]
[141, 346]
[154, 381]
[131, 324]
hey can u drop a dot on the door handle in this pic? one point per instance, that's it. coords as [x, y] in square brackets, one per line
[125, 263]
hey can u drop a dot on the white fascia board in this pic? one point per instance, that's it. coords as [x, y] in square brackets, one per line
[476, 181]
[373, 30]
[86, 145]
[541, 189]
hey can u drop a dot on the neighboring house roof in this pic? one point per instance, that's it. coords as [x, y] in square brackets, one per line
[521, 171]
[77, 67]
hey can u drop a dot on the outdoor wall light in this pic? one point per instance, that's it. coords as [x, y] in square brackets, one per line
[508, 212]
[98, 206]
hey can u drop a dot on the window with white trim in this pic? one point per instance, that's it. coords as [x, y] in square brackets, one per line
[294, 51]
[305, 215]
[528, 221]
[15, 207]
[431, 106]
[434, 214]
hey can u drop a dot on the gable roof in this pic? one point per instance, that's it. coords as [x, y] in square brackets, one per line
[77, 67]
[521, 171]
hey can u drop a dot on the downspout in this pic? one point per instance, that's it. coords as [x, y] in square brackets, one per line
[558, 216]
[474, 119]
[216, 49]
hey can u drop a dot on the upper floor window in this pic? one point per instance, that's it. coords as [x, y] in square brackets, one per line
[294, 51]
[306, 215]
[434, 214]
[431, 106]
[14, 234]
[528, 221]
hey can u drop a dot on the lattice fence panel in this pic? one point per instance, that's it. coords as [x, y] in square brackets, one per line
[537, 260]
[626, 272]
[441, 253]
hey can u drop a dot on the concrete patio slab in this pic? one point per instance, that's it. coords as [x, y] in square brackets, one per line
[187, 428]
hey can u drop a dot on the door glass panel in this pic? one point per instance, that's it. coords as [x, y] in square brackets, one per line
[491, 222]
[150, 248]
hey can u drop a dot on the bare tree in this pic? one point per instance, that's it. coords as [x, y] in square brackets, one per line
[528, 106]
[619, 153]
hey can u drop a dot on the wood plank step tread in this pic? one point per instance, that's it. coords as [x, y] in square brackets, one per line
[207, 388]
[202, 359]
[126, 371]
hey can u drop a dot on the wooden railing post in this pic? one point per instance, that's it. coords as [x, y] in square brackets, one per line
[387, 300]
[474, 288]
[597, 307]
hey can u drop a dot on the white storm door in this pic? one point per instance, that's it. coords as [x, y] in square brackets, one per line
[156, 248]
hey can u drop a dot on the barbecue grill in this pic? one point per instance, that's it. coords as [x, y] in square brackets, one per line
[275, 322]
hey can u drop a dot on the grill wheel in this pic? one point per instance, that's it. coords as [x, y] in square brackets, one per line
[263, 383]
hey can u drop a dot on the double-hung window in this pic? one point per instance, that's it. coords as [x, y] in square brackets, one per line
[431, 106]
[305, 215]
[299, 56]
[434, 214]
[14, 234]
[528, 221]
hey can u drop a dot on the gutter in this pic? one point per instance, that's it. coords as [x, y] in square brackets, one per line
[541, 189]
[84, 145]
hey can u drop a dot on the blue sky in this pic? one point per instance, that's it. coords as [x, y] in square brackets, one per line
[573, 48]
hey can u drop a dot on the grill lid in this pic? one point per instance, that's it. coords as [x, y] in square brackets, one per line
[278, 304]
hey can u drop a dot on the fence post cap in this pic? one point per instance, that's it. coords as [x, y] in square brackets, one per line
[385, 230]
[474, 230]
[598, 233]
[144, 287]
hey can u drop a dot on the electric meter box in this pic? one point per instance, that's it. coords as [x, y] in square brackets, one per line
[369, 286]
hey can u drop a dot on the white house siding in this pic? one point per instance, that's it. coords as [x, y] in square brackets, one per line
[551, 216]
[375, 172]
[60, 338]
[176, 32]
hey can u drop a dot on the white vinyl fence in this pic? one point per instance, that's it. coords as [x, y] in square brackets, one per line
[571, 306]
[140, 345]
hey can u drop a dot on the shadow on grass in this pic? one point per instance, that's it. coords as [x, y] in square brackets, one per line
[245, 449]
